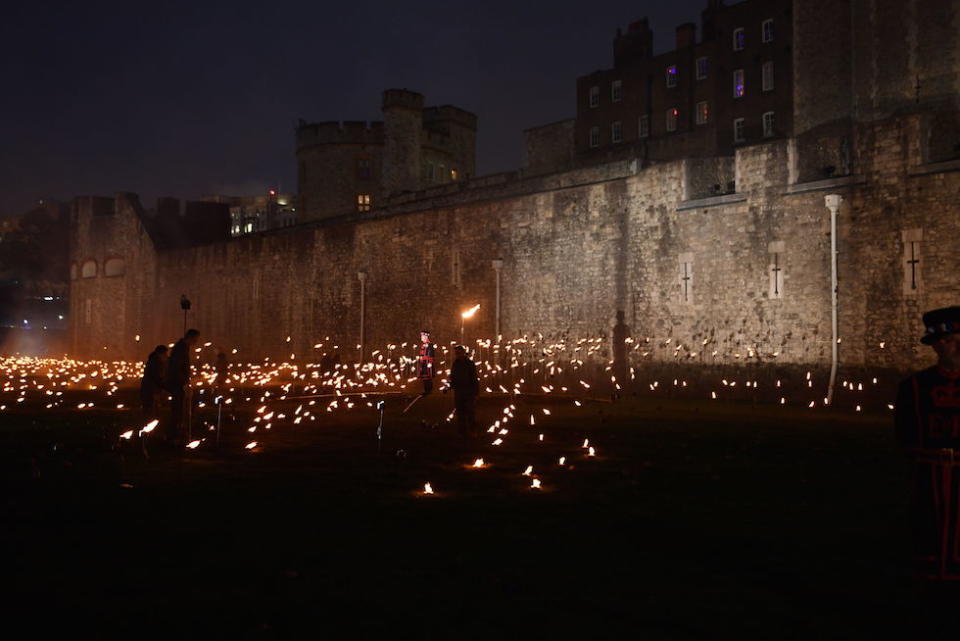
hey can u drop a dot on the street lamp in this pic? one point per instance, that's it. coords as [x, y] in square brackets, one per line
[464, 316]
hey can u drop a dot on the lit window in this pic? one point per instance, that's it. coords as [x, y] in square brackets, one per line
[739, 39]
[766, 30]
[248, 228]
[363, 202]
[768, 124]
[703, 113]
[702, 68]
[643, 127]
[767, 75]
[594, 97]
[672, 76]
[738, 128]
[672, 119]
[738, 87]
[594, 136]
[616, 91]
[453, 174]
[616, 132]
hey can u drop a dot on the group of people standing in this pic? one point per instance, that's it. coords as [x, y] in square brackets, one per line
[167, 373]
[463, 381]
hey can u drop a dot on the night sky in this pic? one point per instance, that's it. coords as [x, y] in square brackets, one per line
[185, 99]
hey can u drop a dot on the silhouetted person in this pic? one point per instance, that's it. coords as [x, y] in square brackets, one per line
[222, 368]
[621, 331]
[152, 384]
[466, 387]
[425, 366]
[178, 383]
[928, 429]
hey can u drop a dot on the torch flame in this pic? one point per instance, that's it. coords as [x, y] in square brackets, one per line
[528, 471]
[478, 463]
[427, 488]
[251, 445]
[535, 484]
[470, 312]
[149, 426]
[193, 445]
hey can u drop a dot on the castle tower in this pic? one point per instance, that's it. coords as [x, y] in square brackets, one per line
[403, 130]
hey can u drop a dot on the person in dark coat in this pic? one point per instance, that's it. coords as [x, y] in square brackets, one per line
[466, 387]
[178, 383]
[152, 384]
[928, 430]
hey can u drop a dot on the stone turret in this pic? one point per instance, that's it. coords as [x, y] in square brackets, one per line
[403, 130]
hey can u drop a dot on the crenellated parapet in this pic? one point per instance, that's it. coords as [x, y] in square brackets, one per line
[334, 132]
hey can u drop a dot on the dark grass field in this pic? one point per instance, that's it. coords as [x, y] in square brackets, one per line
[696, 520]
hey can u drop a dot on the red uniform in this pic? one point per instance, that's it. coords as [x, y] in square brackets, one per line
[928, 428]
[425, 367]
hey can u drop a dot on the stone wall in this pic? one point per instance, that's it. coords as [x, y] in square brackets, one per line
[576, 247]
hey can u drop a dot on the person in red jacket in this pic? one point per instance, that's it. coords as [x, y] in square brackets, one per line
[425, 365]
[928, 430]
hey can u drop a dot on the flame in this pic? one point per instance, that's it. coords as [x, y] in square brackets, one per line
[478, 463]
[427, 488]
[149, 426]
[563, 460]
[535, 484]
[470, 312]
[591, 452]
[528, 471]
[251, 445]
[193, 445]
[127, 435]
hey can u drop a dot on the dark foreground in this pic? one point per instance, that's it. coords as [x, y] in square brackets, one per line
[694, 521]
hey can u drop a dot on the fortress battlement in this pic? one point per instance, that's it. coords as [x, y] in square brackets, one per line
[335, 132]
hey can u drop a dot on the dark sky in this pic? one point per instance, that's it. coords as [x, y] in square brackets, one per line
[182, 99]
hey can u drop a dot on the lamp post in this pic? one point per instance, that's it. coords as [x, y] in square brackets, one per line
[464, 316]
[832, 201]
[497, 266]
[185, 306]
[362, 275]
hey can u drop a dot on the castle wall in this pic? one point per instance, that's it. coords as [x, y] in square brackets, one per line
[576, 247]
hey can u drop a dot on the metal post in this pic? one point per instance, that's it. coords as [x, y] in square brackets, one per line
[497, 266]
[832, 202]
[362, 275]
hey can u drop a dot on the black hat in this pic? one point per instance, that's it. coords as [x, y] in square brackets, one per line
[425, 331]
[940, 322]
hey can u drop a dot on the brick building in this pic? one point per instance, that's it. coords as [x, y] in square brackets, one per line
[351, 166]
[732, 86]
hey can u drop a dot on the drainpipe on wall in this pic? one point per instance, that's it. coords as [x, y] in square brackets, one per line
[832, 202]
[362, 275]
[497, 266]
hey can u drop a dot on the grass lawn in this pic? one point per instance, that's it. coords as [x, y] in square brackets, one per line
[695, 520]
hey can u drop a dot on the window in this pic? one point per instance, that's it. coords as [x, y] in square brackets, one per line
[616, 132]
[363, 169]
[616, 91]
[453, 174]
[686, 277]
[363, 202]
[739, 39]
[702, 68]
[775, 270]
[703, 113]
[672, 119]
[767, 75]
[912, 243]
[766, 30]
[594, 136]
[88, 269]
[738, 127]
[114, 267]
[672, 76]
[738, 87]
[768, 124]
[431, 172]
[643, 127]
[594, 97]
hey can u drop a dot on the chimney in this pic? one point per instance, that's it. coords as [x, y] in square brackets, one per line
[686, 35]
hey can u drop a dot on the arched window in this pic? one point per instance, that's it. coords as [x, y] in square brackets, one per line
[89, 269]
[114, 267]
